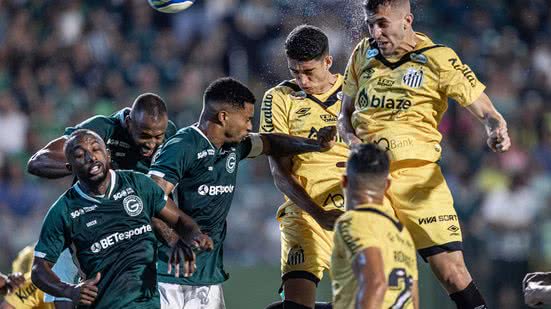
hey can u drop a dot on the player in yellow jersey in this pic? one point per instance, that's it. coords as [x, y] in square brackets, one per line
[397, 84]
[27, 296]
[374, 262]
[310, 182]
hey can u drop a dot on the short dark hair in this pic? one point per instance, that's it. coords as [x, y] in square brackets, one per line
[77, 136]
[306, 43]
[150, 104]
[228, 90]
[373, 5]
[367, 159]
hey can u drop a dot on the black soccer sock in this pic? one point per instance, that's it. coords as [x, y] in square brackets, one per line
[469, 298]
[279, 305]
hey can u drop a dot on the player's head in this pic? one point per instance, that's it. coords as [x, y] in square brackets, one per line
[388, 22]
[87, 156]
[366, 173]
[307, 50]
[147, 122]
[229, 104]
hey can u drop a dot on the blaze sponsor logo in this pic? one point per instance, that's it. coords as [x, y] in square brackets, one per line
[266, 111]
[463, 68]
[214, 190]
[115, 238]
[385, 102]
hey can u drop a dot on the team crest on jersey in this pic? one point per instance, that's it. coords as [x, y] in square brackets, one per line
[413, 78]
[231, 162]
[298, 95]
[372, 52]
[132, 205]
[295, 255]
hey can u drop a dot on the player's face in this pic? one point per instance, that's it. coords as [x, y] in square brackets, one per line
[148, 133]
[89, 159]
[388, 26]
[312, 76]
[238, 123]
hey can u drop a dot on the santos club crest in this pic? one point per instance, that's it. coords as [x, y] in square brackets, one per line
[132, 205]
[413, 78]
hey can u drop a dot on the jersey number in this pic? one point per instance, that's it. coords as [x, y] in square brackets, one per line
[399, 280]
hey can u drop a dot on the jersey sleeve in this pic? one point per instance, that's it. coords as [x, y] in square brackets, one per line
[251, 147]
[351, 74]
[24, 261]
[355, 235]
[172, 161]
[154, 197]
[457, 80]
[52, 240]
[102, 125]
[274, 117]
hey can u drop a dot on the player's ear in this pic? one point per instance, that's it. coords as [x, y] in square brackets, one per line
[328, 61]
[69, 167]
[128, 122]
[408, 21]
[387, 184]
[222, 117]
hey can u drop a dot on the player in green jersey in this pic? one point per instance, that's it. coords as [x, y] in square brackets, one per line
[132, 135]
[202, 161]
[105, 218]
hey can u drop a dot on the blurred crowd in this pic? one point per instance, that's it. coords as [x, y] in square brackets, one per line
[64, 61]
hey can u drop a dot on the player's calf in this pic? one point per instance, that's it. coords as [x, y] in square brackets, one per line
[450, 269]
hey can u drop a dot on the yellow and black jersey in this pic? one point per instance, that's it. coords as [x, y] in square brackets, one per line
[400, 102]
[27, 296]
[373, 226]
[287, 109]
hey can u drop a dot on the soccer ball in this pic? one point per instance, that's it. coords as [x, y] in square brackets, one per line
[170, 6]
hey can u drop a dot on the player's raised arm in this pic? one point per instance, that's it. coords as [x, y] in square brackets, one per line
[495, 124]
[50, 162]
[285, 181]
[368, 268]
[279, 144]
[344, 123]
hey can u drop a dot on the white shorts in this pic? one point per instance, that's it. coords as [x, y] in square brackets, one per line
[66, 270]
[175, 296]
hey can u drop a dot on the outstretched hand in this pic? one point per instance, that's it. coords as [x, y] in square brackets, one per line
[11, 282]
[182, 252]
[498, 139]
[327, 136]
[85, 293]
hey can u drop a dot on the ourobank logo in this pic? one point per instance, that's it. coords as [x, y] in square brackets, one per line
[117, 237]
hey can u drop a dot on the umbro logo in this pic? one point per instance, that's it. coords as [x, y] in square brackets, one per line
[303, 112]
[453, 228]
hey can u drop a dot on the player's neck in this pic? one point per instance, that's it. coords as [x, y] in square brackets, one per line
[214, 133]
[330, 82]
[354, 200]
[96, 189]
[408, 44]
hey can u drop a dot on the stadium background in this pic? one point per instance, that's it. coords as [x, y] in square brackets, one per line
[63, 61]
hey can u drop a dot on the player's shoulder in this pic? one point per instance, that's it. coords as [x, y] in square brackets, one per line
[284, 88]
[186, 135]
[171, 129]
[133, 178]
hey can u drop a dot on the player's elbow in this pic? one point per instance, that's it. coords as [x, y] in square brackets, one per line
[376, 287]
[33, 166]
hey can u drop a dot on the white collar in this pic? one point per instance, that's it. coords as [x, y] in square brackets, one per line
[194, 126]
[93, 198]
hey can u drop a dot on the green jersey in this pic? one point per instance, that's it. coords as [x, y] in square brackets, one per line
[125, 154]
[110, 234]
[205, 179]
